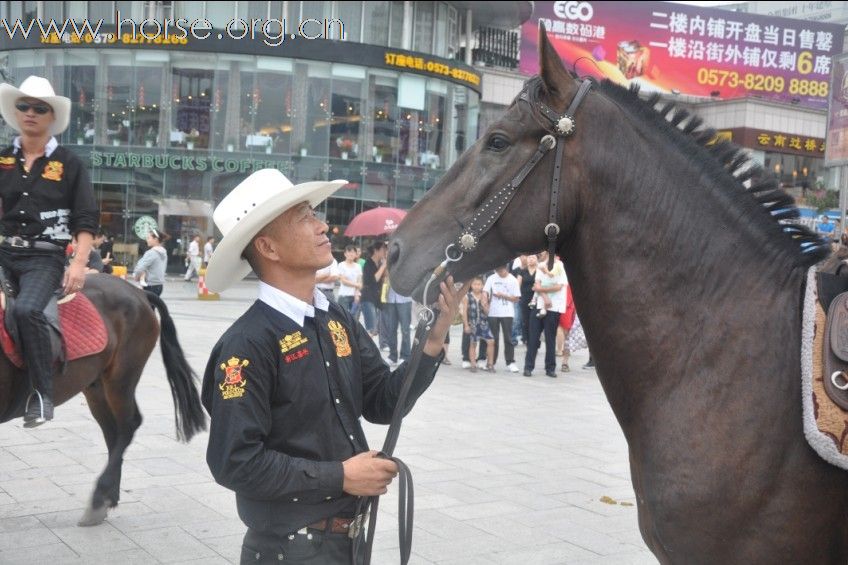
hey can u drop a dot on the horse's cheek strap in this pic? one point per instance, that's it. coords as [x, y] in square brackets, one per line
[552, 230]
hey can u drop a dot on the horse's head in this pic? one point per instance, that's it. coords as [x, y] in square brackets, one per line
[473, 190]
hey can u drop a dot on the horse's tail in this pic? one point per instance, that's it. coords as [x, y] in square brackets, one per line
[188, 413]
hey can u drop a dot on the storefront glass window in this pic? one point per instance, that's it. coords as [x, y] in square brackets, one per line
[351, 14]
[192, 88]
[376, 29]
[118, 90]
[422, 38]
[219, 13]
[346, 112]
[147, 112]
[79, 74]
[272, 98]
[318, 109]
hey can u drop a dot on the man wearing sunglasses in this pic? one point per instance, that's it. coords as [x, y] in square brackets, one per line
[47, 201]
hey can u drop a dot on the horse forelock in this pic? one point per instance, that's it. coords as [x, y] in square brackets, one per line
[742, 182]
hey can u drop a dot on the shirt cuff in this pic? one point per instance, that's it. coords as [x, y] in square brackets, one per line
[331, 478]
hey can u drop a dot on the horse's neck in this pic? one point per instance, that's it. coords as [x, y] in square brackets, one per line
[667, 314]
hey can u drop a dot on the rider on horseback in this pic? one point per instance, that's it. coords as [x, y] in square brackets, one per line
[47, 199]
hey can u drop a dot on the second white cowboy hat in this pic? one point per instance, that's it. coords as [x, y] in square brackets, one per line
[35, 87]
[251, 206]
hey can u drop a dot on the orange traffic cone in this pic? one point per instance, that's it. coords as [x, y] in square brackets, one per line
[203, 292]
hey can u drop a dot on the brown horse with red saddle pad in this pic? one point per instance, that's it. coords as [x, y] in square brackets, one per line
[109, 332]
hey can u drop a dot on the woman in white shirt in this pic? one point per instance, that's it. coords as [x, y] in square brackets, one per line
[350, 282]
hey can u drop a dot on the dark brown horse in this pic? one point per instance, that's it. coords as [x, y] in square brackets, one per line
[109, 379]
[688, 280]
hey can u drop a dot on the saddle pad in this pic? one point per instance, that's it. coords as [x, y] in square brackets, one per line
[83, 330]
[825, 423]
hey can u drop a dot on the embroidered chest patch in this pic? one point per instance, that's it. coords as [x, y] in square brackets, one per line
[340, 340]
[295, 355]
[7, 162]
[53, 170]
[234, 380]
[291, 341]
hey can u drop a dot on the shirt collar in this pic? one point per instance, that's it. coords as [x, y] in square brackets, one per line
[48, 149]
[291, 307]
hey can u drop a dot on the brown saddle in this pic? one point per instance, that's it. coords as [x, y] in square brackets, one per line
[833, 296]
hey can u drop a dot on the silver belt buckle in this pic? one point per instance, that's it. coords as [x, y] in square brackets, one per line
[356, 525]
[16, 241]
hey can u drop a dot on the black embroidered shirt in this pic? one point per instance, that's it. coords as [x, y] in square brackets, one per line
[52, 202]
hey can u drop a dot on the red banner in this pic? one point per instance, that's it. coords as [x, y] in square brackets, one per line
[689, 49]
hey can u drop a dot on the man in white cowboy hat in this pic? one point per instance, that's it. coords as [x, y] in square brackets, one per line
[286, 385]
[47, 200]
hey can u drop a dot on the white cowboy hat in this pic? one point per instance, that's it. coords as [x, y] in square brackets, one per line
[251, 206]
[35, 87]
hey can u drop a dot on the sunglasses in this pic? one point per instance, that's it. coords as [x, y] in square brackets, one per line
[38, 108]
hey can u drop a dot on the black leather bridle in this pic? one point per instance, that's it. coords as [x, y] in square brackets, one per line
[493, 208]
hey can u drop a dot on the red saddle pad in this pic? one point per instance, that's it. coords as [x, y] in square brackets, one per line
[83, 330]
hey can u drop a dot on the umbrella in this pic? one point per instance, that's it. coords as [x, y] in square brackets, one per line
[377, 221]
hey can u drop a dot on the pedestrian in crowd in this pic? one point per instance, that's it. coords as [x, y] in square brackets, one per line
[475, 314]
[372, 283]
[288, 382]
[326, 279]
[150, 269]
[47, 201]
[194, 259]
[551, 284]
[103, 245]
[526, 279]
[503, 292]
[826, 228]
[398, 312]
[94, 264]
[517, 319]
[566, 322]
[208, 249]
[350, 282]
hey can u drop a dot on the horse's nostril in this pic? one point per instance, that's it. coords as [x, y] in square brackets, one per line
[394, 253]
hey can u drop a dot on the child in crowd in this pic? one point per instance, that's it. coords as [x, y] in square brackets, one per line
[475, 313]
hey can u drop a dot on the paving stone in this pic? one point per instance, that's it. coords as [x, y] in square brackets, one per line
[171, 545]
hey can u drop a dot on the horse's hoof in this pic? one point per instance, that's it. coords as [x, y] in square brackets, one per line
[93, 516]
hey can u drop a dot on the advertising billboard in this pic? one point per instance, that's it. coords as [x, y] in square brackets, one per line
[689, 49]
[836, 152]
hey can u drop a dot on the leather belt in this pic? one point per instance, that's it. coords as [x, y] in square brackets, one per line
[21, 243]
[338, 526]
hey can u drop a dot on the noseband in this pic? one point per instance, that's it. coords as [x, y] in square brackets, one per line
[494, 206]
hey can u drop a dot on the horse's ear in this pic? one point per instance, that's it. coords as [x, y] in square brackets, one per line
[553, 74]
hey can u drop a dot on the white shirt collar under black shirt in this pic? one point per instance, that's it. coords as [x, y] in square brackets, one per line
[48, 149]
[290, 306]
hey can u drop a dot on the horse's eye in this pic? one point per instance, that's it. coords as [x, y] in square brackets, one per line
[497, 143]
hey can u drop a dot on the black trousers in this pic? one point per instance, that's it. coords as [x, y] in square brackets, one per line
[526, 312]
[547, 325]
[314, 547]
[38, 274]
[495, 324]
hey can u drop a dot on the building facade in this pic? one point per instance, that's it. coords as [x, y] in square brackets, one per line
[376, 93]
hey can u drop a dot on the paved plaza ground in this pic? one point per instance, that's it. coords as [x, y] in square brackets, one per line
[507, 470]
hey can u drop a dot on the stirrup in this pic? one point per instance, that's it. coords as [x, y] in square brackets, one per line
[35, 418]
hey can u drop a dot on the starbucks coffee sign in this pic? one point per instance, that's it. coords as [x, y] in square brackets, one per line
[180, 162]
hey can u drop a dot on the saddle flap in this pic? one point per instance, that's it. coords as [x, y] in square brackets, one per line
[837, 326]
[829, 286]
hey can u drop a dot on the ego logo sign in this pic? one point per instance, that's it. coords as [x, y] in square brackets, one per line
[573, 10]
